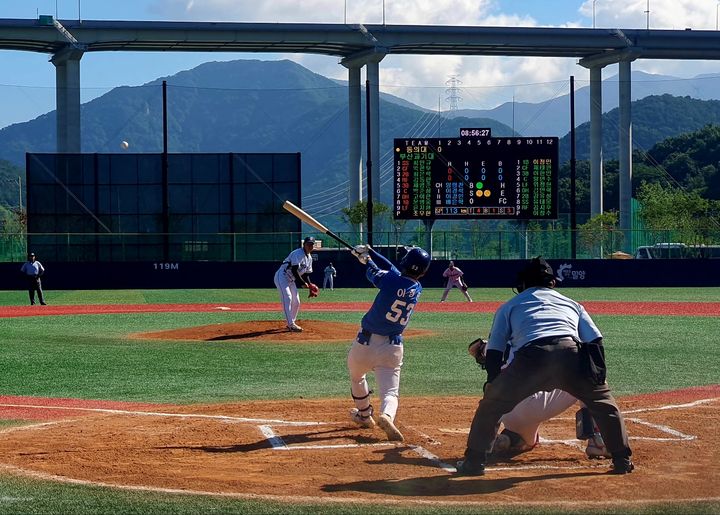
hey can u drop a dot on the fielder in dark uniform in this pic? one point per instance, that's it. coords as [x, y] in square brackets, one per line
[33, 270]
[542, 327]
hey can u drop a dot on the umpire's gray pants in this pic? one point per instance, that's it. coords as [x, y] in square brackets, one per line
[545, 367]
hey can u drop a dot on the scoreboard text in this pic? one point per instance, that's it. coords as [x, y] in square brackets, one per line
[476, 177]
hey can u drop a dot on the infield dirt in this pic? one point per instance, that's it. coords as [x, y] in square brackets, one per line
[308, 449]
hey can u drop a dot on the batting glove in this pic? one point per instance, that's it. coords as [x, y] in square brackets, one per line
[361, 252]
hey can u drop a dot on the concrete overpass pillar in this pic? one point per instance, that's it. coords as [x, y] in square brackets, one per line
[67, 99]
[354, 135]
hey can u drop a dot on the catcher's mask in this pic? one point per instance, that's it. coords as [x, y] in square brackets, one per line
[536, 273]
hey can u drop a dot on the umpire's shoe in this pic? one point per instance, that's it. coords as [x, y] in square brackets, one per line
[622, 466]
[472, 465]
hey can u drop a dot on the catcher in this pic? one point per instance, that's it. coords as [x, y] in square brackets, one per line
[552, 338]
[293, 272]
[520, 433]
[454, 279]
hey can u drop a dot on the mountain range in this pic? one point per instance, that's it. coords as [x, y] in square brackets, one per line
[280, 106]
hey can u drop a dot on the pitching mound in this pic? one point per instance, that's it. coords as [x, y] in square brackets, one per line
[309, 450]
[273, 330]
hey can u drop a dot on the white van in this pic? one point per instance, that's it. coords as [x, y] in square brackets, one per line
[661, 251]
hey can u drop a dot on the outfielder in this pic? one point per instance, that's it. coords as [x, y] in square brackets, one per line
[378, 346]
[294, 271]
[454, 277]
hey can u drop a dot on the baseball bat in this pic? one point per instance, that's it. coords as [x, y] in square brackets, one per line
[305, 217]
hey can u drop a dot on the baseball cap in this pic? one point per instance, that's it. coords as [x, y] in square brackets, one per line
[537, 269]
[31, 254]
[309, 239]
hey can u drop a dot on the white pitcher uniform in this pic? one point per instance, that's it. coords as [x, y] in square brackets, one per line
[285, 282]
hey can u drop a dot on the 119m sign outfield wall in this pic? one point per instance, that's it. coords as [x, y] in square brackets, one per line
[487, 274]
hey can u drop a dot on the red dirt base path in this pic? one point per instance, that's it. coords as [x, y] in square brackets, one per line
[705, 309]
[307, 450]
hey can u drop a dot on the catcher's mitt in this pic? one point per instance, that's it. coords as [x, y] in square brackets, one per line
[477, 350]
[313, 290]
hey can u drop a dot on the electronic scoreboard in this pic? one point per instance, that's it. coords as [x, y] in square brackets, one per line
[476, 176]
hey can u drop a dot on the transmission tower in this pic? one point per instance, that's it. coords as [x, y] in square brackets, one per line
[453, 92]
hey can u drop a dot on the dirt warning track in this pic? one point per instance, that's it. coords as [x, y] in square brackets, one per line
[706, 309]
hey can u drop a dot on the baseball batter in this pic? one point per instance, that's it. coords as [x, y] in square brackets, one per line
[379, 344]
[454, 277]
[295, 271]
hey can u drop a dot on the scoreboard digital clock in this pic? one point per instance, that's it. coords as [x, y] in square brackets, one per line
[476, 177]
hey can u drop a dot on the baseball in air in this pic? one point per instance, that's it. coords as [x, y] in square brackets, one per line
[124, 145]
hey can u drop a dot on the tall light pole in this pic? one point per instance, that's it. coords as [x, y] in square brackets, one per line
[716, 15]
[594, 13]
[647, 12]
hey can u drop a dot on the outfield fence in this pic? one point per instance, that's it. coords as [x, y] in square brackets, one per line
[461, 245]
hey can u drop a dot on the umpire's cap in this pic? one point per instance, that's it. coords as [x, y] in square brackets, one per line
[309, 240]
[536, 273]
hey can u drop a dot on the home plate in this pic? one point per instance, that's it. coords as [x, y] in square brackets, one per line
[223, 308]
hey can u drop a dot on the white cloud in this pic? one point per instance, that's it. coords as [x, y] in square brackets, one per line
[664, 14]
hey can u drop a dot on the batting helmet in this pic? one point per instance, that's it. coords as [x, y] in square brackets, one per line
[309, 240]
[415, 263]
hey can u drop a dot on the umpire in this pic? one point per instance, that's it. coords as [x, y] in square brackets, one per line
[543, 329]
[33, 270]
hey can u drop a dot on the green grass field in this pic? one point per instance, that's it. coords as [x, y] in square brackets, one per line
[91, 357]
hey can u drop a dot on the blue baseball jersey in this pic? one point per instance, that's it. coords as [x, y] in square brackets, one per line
[394, 303]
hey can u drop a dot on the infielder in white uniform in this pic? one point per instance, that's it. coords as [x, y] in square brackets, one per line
[455, 279]
[294, 271]
[330, 274]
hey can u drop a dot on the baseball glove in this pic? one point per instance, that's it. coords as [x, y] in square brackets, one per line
[313, 290]
[464, 287]
[477, 350]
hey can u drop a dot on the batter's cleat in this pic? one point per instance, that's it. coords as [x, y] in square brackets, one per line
[360, 420]
[596, 449]
[621, 466]
[469, 468]
[392, 432]
[295, 328]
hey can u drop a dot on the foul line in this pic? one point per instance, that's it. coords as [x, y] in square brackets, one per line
[160, 414]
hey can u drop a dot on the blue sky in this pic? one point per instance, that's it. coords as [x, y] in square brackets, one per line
[27, 84]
